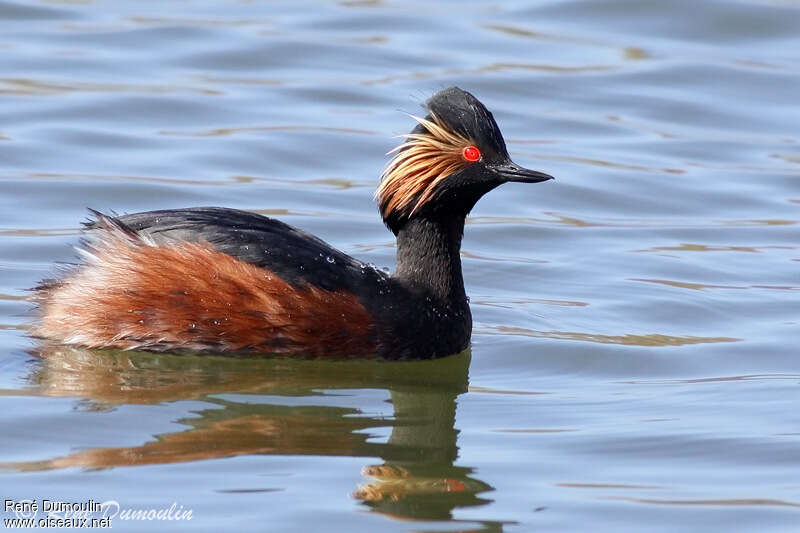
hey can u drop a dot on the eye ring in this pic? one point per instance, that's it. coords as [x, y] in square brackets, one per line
[471, 153]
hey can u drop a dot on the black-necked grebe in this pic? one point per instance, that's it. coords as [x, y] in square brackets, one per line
[223, 280]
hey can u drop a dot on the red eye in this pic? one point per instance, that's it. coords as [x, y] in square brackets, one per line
[471, 153]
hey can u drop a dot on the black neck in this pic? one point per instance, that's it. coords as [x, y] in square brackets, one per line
[428, 257]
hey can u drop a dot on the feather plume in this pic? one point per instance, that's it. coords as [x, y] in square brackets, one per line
[422, 162]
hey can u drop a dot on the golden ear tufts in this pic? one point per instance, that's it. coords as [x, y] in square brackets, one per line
[419, 165]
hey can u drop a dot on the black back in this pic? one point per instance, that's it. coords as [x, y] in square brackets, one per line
[294, 255]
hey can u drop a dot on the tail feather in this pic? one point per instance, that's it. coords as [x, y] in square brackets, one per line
[99, 231]
[108, 229]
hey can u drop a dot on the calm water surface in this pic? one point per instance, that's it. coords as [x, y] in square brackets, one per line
[635, 361]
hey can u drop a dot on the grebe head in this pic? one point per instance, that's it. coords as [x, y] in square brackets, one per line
[454, 155]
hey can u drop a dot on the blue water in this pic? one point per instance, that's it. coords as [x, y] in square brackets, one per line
[635, 361]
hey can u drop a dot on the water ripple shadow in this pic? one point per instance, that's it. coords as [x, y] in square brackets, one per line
[650, 340]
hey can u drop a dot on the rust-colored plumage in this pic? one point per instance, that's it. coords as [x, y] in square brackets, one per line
[133, 294]
[422, 162]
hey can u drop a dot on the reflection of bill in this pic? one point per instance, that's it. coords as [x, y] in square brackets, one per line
[417, 479]
[395, 489]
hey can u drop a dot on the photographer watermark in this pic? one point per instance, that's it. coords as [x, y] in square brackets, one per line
[84, 514]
